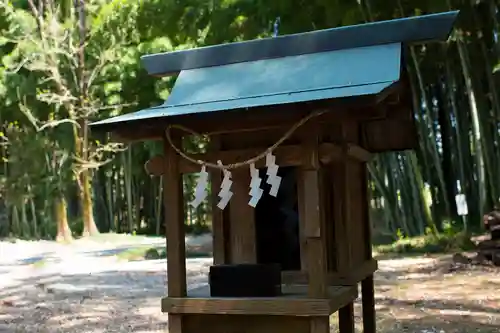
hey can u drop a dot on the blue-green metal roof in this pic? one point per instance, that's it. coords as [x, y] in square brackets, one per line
[326, 75]
[409, 30]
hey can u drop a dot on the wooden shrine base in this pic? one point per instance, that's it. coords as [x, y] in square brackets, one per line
[250, 324]
[293, 302]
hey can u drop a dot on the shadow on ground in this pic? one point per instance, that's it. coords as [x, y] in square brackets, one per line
[129, 301]
[111, 301]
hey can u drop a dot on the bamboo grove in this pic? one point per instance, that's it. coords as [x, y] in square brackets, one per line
[67, 63]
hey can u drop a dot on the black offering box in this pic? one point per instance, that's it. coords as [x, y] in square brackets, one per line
[245, 280]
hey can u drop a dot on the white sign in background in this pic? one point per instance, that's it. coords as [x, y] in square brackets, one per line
[462, 208]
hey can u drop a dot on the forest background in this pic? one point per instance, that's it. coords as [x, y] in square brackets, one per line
[68, 63]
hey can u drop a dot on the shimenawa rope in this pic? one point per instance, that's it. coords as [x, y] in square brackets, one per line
[220, 166]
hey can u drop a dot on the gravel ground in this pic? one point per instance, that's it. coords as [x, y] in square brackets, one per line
[84, 287]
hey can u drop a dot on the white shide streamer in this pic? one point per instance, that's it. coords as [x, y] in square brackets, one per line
[272, 174]
[255, 190]
[200, 192]
[225, 193]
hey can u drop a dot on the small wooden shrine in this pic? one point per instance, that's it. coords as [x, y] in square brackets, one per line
[292, 121]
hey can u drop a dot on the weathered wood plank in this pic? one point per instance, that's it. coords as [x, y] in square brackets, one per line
[174, 223]
[219, 248]
[346, 319]
[242, 120]
[293, 301]
[344, 278]
[311, 185]
[174, 229]
[242, 220]
[367, 285]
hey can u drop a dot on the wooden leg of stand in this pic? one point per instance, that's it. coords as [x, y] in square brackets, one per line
[368, 302]
[346, 319]
[175, 323]
[320, 325]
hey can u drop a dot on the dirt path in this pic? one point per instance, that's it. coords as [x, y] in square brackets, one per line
[423, 295]
[92, 291]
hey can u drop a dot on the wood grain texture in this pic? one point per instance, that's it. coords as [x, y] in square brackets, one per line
[242, 220]
[174, 224]
[205, 323]
[345, 278]
[311, 185]
[174, 229]
[293, 302]
[218, 221]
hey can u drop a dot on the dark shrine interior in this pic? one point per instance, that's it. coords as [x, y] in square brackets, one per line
[277, 223]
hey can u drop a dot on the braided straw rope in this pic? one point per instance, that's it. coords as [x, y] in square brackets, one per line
[258, 157]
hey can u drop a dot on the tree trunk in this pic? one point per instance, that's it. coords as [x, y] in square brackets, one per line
[89, 226]
[63, 230]
[476, 126]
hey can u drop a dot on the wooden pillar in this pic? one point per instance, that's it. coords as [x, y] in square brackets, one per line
[312, 229]
[368, 305]
[219, 251]
[344, 237]
[367, 285]
[341, 216]
[346, 319]
[174, 229]
[242, 219]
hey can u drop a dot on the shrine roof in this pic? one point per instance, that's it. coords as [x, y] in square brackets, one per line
[353, 61]
[416, 29]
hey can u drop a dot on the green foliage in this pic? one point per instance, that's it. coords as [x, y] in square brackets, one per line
[44, 109]
[197, 229]
[144, 253]
[427, 244]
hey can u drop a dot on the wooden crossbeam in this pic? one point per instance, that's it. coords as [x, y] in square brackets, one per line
[351, 277]
[288, 155]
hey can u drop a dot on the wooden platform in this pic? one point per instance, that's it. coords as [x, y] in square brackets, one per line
[293, 302]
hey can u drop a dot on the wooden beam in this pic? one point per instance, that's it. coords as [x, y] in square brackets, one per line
[174, 229]
[357, 153]
[243, 120]
[174, 224]
[218, 221]
[352, 277]
[310, 184]
[346, 319]
[367, 285]
[293, 301]
[285, 156]
[368, 305]
[241, 221]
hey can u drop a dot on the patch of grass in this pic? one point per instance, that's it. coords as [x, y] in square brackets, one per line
[443, 243]
[39, 263]
[114, 237]
[147, 253]
[133, 254]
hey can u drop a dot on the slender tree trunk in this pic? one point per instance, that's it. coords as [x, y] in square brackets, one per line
[478, 149]
[15, 221]
[25, 229]
[34, 219]
[127, 173]
[447, 158]
[63, 230]
[89, 226]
